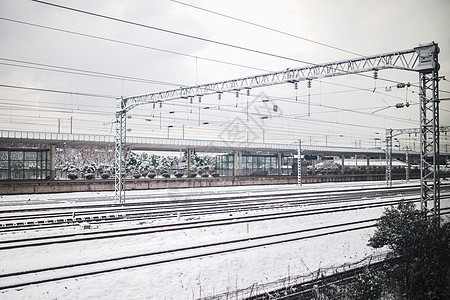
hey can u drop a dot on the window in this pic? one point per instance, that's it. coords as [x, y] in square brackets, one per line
[24, 164]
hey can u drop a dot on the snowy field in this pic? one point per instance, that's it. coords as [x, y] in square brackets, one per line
[192, 278]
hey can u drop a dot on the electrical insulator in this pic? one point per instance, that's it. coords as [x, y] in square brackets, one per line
[248, 92]
[154, 105]
[160, 104]
[401, 85]
[309, 83]
[237, 94]
[296, 88]
[190, 100]
[220, 96]
[199, 99]
[399, 105]
[375, 74]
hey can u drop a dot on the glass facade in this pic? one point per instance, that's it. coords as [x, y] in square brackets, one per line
[24, 164]
[225, 165]
[287, 165]
[254, 165]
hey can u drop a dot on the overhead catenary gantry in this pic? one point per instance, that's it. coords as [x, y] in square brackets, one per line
[422, 59]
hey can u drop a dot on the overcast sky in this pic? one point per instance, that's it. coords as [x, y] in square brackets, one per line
[347, 110]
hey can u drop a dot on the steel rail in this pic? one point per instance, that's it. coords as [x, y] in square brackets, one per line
[35, 272]
[122, 232]
[188, 208]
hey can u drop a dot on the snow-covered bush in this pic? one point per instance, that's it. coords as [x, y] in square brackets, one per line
[89, 176]
[88, 171]
[72, 171]
[72, 176]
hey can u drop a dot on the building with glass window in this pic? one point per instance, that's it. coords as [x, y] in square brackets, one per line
[254, 165]
[25, 164]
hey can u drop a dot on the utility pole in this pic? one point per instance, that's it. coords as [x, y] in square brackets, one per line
[299, 163]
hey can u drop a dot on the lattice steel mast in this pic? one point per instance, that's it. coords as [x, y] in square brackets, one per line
[120, 150]
[422, 59]
[429, 127]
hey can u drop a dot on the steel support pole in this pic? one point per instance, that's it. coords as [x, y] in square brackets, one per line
[388, 157]
[429, 139]
[368, 165]
[188, 159]
[240, 163]
[279, 162]
[408, 165]
[299, 163]
[236, 163]
[120, 150]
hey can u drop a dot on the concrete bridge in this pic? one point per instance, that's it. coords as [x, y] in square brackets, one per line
[165, 144]
[25, 139]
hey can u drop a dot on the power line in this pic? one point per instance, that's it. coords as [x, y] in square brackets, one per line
[180, 34]
[48, 109]
[155, 49]
[53, 68]
[152, 48]
[266, 27]
[45, 106]
[113, 76]
[57, 91]
[172, 32]
[167, 117]
[303, 102]
[100, 74]
[94, 14]
[133, 44]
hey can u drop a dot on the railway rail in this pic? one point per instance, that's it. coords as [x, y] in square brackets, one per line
[88, 268]
[94, 267]
[149, 229]
[72, 268]
[53, 216]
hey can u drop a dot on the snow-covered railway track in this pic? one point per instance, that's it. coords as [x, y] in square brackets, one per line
[45, 240]
[63, 216]
[89, 268]
[100, 266]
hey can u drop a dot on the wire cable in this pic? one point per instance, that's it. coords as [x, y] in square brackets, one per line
[57, 91]
[66, 70]
[133, 44]
[267, 28]
[172, 32]
[182, 34]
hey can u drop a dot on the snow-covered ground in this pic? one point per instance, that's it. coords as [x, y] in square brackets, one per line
[192, 278]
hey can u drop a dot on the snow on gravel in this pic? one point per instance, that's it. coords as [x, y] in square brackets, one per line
[193, 278]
